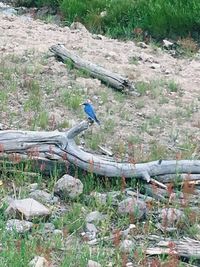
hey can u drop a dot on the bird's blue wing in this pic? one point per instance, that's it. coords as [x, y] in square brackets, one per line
[90, 111]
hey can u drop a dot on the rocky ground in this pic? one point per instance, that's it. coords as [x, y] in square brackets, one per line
[39, 92]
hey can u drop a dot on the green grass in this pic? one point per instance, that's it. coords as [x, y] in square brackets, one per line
[132, 18]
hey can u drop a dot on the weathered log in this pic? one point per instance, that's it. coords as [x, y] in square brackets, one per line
[112, 79]
[186, 247]
[168, 178]
[60, 147]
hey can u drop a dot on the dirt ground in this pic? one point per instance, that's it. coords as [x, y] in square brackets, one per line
[164, 118]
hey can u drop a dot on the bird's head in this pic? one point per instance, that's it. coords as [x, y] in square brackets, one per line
[86, 103]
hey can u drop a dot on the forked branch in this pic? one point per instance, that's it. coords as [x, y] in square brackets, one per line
[61, 147]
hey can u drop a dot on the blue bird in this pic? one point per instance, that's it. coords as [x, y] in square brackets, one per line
[89, 110]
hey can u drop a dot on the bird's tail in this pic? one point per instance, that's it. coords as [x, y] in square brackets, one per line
[97, 121]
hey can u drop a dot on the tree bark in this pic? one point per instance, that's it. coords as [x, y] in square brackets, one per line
[112, 79]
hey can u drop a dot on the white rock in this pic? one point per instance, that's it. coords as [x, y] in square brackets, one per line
[18, 226]
[155, 66]
[103, 14]
[93, 264]
[27, 208]
[38, 261]
[142, 45]
[68, 186]
[167, 44]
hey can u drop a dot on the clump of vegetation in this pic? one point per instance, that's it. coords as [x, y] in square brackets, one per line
[127, 18]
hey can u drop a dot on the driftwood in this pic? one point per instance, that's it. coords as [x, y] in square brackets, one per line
[112, 79]
[186, 247]
[50, 148]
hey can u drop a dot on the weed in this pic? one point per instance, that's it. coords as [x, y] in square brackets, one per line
[72, 98]
[188, 45]
[134, 60]
[172, 86]
[142, 87]
[140, 104]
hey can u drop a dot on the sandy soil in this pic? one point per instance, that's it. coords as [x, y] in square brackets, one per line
[164, 118]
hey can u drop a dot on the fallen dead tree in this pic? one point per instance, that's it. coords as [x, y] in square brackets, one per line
[112, 79]
[186, 247]
[50, 149]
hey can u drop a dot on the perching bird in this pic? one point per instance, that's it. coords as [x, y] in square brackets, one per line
[89, 110]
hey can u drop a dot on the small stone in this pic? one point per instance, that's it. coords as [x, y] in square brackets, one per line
[78, 26]
[48, 228]
[18, 226]
[129, 264]
[27, 208]
[127, 246]
[68, 186]
[103, 14]
[142, 45]
[133, 206]
[128, 230]
[38, 261]
[171, 217]
[43, 197]
[91, 227]
[88, 236]
[93, 264]
[167, 44]
[155, 66]
[97, 36]
[58, 232]
[99, 197]
[33, 187]
[94, 216]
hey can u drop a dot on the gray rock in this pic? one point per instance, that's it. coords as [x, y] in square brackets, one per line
[133, 206]
[68, 186]
[38, 261]
[78, 26]
[93, 264]
[27, 208]
[91, 227]
[127, 246]
[43, 197]
[171, 217]
[48, 228]
[88, 235]
[18, 226]
[94, 216]
[99, 197]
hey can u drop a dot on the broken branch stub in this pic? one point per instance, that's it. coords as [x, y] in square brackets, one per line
[106, 76]
[57, 148]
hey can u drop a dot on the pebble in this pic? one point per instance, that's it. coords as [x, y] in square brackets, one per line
[68, 187]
